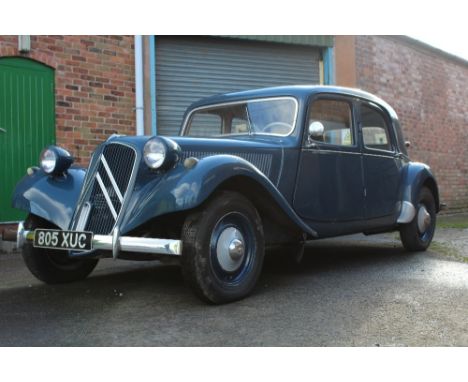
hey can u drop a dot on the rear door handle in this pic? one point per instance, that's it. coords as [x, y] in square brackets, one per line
[2, 130]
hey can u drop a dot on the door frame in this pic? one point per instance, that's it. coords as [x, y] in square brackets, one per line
[367, 152]
[31, 65]
[338, 227]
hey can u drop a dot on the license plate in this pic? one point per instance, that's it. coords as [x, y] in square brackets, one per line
[66, 240]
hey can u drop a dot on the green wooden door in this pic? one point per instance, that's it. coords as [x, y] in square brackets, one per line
[27, 123]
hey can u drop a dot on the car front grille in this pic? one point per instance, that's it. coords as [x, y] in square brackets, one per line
[259, 160]
[107, 187]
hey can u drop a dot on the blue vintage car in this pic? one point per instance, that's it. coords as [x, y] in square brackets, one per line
[249, 170]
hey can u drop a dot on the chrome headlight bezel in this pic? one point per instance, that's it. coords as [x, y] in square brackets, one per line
[161, 153]
[154, 153]
[54, 160]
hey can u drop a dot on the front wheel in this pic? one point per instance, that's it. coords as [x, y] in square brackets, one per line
[53, 266]
[417, 235]
[223, 248]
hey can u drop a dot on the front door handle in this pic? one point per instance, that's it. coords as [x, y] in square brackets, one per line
[2, 130]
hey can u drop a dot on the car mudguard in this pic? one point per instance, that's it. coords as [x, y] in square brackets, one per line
[415, 176]
[51, 197]
[182, 189]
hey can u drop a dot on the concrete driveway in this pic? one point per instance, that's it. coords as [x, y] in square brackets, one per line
[355, 291]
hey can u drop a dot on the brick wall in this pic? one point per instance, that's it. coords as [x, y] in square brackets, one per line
[429, 92]
[94, 86]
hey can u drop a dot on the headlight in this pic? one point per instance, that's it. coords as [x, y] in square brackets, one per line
[48, 160]
[161, 153]
[154, 153]
[55, 160]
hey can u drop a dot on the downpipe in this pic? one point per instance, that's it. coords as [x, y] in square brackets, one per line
[139, 93]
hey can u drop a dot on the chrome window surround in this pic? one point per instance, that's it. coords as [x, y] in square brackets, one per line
[126, 197]
[353, 128]
[189, 116]
[392, 136]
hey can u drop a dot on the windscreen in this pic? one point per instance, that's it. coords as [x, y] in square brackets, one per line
[275, 116]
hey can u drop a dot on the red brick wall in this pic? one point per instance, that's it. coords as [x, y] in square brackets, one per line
[94, 86]
[429, 92]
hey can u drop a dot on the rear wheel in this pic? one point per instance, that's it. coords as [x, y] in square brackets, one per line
[417, 235]
[53, 266]
[223, 248]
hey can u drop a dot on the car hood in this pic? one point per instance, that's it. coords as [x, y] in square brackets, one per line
[267, 156]
[265, 153]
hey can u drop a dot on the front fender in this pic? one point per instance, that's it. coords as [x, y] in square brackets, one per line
[51, 198]
[416, 175]
[183, 189]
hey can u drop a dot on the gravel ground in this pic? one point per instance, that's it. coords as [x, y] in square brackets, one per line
[352, 291]
[454, 242]
[451, 243]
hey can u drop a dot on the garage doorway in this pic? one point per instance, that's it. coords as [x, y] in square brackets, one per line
[192, 67]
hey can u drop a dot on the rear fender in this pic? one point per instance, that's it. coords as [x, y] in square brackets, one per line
[415, 176]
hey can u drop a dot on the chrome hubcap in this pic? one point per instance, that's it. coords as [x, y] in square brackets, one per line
[236, 249]
[230, 249]
[424, 219]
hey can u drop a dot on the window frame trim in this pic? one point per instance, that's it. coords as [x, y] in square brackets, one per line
[350, 100]
[388, 122]
[239, 102]
[221, 125]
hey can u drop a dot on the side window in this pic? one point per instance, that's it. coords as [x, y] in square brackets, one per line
[239, 126]
[374, 129]
[206, 124]
[336, 118]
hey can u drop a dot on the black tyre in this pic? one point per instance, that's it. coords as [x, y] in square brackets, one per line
[223, 248]
[417, 235]
[52, 266]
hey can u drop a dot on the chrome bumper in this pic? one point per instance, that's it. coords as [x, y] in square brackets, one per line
[117, 243]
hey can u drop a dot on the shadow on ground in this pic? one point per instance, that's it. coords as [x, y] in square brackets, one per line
[346, 292]
[110, 279]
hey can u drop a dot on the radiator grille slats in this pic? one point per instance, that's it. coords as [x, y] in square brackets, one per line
[121, 160]
[259, 160]
[110, 182]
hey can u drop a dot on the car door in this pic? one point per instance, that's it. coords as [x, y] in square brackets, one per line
[329, 186]
[381, 162]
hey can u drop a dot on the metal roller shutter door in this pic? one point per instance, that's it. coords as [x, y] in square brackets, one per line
[190, 68]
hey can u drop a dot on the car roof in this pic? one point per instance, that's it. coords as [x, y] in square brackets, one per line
[299, 91]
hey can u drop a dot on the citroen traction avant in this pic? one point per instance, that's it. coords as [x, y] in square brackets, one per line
[249, 171]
